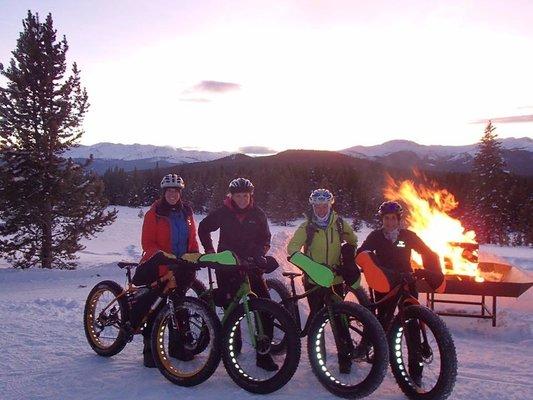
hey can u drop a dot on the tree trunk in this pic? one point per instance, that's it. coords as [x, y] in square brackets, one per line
[46, 249]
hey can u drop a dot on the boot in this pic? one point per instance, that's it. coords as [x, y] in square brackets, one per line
[417, 379]
[265, 361]
[363, 353]
[148, 357]
[345, 364]
[178, 351]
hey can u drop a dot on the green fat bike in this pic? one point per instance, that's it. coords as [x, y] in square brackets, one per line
[341, 332]
[248, 325]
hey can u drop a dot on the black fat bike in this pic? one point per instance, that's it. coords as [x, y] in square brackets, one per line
[112, 318]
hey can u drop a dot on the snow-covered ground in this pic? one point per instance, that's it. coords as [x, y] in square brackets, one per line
[44, 353]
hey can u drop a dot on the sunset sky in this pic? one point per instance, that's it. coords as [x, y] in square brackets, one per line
[221, 75]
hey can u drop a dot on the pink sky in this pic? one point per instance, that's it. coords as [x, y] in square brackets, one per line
[307, 74]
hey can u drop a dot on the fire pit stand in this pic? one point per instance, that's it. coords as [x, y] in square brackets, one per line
[485, 312]
[511, 283]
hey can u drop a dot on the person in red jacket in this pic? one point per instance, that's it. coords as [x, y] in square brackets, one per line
[168, 226]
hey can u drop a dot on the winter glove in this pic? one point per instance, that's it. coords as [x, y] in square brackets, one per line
[433, 279]
[271, 264]
[350, 274]
[348, 270]
[260, 261]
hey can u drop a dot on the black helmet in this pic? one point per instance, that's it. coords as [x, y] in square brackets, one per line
[390, 207]
[241, 185]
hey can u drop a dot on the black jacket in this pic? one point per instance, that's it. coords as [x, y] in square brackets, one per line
[397, 256]
[245, 233]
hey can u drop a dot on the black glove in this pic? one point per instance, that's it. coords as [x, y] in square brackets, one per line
[347, 254]
[259, 261]
[407, 277]
[433, 279]
[350, 274]
[267, 264]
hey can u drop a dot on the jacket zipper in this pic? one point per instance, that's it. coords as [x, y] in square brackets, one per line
[327, 246]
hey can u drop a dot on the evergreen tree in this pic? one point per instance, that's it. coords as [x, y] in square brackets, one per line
[48, 202]
[488, 197]
[281, 204]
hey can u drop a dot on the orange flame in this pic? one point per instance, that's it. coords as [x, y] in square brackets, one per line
[428, 217]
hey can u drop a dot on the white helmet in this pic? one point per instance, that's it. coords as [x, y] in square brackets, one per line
[172, 181]
[321, 196]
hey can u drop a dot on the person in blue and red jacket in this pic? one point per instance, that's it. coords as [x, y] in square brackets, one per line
[168, 226]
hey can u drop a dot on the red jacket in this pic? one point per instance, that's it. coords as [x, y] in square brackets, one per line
[156, 232]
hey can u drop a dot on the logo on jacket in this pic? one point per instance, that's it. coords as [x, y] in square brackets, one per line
[401, 243]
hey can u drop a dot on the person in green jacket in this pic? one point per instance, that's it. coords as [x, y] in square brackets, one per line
[321, 238]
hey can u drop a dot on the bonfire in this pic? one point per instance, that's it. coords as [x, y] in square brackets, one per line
[428, 215]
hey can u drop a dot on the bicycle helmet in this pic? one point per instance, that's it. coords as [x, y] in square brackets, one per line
[241, 185]
[172, 181]
[390, 207]
[321, 196]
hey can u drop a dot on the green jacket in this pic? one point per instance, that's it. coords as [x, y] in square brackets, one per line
[326, 245]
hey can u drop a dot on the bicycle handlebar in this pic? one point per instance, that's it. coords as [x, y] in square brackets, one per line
[177, 264]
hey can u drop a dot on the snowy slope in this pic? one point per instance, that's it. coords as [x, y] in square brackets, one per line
[117, 151]
[431, 151]
[45, 355]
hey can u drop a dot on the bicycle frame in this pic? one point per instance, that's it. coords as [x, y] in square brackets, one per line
[399, 296]
[243, 294]
[329, 298]
[170, 284]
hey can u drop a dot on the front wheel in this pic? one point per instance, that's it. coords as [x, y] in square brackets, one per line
[422, 354]
[104, 318]
[254, 367]
[176, 333]
[347, 349]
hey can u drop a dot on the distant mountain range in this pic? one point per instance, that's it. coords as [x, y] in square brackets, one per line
[140, 156]
[517, 152]
[403, 154]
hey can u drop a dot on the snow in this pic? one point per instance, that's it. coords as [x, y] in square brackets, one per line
[45, 354]
[432, 151]
[118, 151]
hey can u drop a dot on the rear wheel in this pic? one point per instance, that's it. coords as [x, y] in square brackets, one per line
[176, 333]
[255, 327]
[347, 349]
[197, 288]
[422, 354]
[360, 295]
[104, 317]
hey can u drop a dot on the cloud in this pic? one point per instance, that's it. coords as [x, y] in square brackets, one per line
[256, 150]
[506, 120]
[197, 93]
[214, 87]
[195, 99]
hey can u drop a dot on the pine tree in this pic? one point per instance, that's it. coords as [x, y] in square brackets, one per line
[281, 205]
[488, 197]
[48, 202]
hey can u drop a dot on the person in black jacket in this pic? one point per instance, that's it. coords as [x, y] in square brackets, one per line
[243, 230]
[392, 248]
